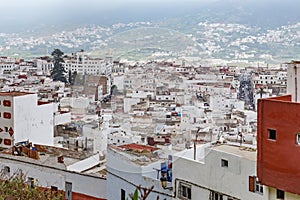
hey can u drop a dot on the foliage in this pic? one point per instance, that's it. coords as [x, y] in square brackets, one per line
[144, 193]
[72, 77]
[58, 71]
[113, 90]
[136, 195]
[15, 188]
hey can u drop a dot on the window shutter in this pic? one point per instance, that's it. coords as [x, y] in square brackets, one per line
[251, 183]
[7, 103]
[6, 115]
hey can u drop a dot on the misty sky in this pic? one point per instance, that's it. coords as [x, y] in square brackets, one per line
[13, 9]
[25, 14]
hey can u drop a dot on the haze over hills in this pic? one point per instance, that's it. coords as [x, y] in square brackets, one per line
[24, 15]
[222, 29]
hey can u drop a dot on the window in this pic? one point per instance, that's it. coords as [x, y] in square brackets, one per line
[6, 115]
[255, 186]
[280, 194]
[6, 103]
[54, 188]
[298, 138]
[123, 194]
[6, 171]
[216, 196]
[184, 191]
[68, 191]
[224, 163]
[271, 134]
[259, 188]
[31, 182]
[7, 142]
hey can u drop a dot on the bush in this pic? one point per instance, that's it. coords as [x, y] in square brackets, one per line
[15, 188]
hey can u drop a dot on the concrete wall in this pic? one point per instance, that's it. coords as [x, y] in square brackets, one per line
[278, 159]
[5, 123]
[126, 175]
[99, 137]
[80, 102]
[46, 176]
[62, 118]
[32, 122]
[128, 102]
[211, 176]
[100, 141]
[293, 81]
[219, 102]
[287, 196]
[121, 138]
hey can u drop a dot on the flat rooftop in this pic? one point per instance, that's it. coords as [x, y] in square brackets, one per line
[14, 93]
[138, 154]
[294, 62]
[248, 153]
[138, 147]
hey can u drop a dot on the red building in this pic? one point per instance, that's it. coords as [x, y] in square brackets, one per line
[278, 159]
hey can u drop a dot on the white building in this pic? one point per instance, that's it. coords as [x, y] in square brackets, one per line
[8, 66]
[225, 103]
[271, 77]
[130, 166]
[120, 137]
[293, 80]
[98, 134]
[217, 172]
[24, 118]
[45, 65]
[49, 171]
[83, 64]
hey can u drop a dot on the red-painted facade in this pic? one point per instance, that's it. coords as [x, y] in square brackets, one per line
[75, 195]
[78, 196]
[278, 160]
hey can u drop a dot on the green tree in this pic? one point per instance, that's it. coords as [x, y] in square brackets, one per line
[74, 75]
[58, 71]
[144, 193]
[15, 187]
[70, 78]
[113, 90]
